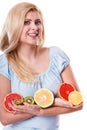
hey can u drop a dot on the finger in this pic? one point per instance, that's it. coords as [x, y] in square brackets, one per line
[11, 105]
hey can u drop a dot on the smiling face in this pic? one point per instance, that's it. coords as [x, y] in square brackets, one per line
[32, 29]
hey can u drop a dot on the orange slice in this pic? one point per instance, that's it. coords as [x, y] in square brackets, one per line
[64, 90]
[44, 97]
[75, 97]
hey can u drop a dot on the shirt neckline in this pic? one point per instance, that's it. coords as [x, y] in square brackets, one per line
[46, 71]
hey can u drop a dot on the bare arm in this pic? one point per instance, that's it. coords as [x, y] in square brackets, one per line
[27, 111]
[58, 110]
[6, 117]
[68, 77]
[59, 107]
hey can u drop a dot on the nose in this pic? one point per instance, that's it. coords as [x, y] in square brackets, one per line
[33, 26]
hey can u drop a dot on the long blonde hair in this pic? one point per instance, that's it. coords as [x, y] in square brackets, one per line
[10, 35]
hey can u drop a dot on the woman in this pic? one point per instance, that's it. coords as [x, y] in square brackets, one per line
[26, 66]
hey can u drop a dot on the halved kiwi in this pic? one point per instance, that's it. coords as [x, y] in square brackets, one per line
[29, 100]
[19, 101]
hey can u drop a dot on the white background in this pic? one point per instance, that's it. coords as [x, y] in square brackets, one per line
[66, 27]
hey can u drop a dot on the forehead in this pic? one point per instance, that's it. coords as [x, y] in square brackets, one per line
[33, 15]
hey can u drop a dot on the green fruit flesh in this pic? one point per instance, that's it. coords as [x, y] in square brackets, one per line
[29, 100]
[18, 101]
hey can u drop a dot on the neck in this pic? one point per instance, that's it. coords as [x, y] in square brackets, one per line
[29, 53]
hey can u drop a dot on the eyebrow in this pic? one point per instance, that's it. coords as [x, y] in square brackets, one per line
[31, 19]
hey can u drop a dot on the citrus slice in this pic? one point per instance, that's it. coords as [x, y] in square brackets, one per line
[8, 101]
[64, 90]
[75, 97]
[44, 97]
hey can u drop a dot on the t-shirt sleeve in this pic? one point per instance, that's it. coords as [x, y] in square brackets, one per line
[61, 59]
[4, 67]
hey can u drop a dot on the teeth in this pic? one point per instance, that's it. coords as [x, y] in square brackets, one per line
[33, 34]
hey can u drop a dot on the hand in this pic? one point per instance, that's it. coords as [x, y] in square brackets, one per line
[26, 108]
[62, 103]
[78, 106]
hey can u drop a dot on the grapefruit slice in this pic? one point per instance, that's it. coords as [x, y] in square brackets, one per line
[75, 97]
[44, 97]
[64, 90]
[8, 101]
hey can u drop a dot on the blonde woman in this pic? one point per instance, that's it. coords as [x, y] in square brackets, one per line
[26, 66]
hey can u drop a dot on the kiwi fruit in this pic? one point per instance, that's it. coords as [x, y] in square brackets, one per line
[29, 100]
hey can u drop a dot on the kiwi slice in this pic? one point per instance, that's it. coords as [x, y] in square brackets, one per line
[19, 101]
[29, 100]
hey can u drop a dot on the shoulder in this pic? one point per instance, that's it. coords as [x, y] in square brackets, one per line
[56, 51]
[44, 51]
[4, 66]
[59, 58]
[3, 58]
[51, 49]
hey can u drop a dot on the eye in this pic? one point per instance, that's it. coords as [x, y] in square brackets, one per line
[38, 22]
[26, 22]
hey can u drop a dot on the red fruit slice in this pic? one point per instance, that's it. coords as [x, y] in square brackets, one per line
[8, 100]
[64, 90]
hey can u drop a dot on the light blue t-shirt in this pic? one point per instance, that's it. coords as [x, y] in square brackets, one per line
[50, 79]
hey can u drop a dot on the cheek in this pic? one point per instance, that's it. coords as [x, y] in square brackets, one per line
[42, 34]
[21, 36]
[41, 31]
[24, 30]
